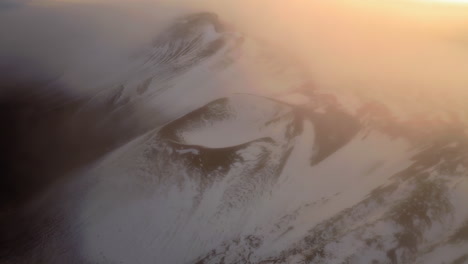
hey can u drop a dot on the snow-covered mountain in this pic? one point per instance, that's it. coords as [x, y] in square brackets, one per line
[233, 156]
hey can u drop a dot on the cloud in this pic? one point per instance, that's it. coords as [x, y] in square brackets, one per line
[390, 52]
[9, 4]
[85, 40]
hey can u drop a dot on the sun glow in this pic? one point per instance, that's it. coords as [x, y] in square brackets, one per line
[447, 1]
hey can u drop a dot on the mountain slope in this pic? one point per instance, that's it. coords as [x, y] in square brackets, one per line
[226, 153]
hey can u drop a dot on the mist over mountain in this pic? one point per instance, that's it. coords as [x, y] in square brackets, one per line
[197, 142]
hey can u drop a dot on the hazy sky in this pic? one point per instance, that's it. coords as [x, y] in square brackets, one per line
[399, 50]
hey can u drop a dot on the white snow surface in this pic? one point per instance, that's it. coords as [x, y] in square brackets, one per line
[236, 182]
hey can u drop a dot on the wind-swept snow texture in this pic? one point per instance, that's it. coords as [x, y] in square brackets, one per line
[234, 157]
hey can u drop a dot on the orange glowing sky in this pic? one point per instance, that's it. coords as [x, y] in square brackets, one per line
[400, 49]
